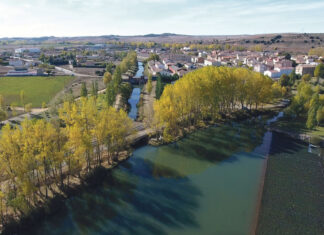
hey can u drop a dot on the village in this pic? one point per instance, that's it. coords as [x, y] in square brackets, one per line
[92, 60]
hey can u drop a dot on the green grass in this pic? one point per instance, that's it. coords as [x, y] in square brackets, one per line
[293, 195]
[298, 125]
[37, 89]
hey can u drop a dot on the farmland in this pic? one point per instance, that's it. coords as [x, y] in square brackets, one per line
[36, 89]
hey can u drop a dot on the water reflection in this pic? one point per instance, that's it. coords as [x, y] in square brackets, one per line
[114, 206]
[204, 149]
[207, 182]
[133, 101]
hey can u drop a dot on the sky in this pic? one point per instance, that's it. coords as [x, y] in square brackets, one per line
[35, 18]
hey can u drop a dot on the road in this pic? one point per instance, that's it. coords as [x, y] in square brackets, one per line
[71, 73]
[20, 118]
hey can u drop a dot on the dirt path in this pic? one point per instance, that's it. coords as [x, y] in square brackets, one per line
[148, 101]
[118, 102]
[21, 117]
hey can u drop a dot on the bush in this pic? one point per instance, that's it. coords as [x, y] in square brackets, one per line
[319, 71]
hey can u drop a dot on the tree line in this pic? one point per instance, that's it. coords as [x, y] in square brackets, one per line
[41, 158]
[308, 103]
[207, 93]
[113, 81]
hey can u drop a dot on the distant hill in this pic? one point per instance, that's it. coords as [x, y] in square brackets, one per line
[290, 42]
[162, 35]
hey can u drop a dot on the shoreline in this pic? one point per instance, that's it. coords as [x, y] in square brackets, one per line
[56, 201]
[255, 221]
[296, 136]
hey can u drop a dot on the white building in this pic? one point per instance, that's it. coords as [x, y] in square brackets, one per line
[30, 50]
[278, 72]
[260, 68]
[16, 63]
[212, 63]
[303, 69]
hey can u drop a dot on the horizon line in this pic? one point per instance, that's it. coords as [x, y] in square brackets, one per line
[157, 34]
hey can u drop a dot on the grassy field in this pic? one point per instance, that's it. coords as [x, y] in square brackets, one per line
[298, 125]
[37, 89]
[293, 195]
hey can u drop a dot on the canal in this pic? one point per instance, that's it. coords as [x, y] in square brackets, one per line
[136, 94]
[206, 183]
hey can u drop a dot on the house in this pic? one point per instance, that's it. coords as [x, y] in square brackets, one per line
[278, 72]
[198, 60]
[16, 63]
[260, 68]
[189, 66]
[165, 73]
[303, 69]
[274, 74]
[29, 50]
[283, 64]
[159, 65]
[299, 59]
[174, 69]
[181, 72]
[212, 63]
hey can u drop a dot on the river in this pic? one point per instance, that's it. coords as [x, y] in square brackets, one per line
[136, 94]
[206, 183]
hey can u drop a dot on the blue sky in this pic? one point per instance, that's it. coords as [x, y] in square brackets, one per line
[31, 18]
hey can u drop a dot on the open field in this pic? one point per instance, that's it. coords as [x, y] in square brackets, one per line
[37, 89]
[293, 195]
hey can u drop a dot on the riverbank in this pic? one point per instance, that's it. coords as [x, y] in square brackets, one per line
[238, 116]
[268, 172]
[57, 197]
[292, 201]
[259, 197]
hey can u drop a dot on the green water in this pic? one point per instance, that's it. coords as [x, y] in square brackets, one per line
[206, 183]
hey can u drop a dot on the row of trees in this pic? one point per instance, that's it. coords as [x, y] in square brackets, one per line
[206, 93]
[129, 62]
[114, 82]
[3, 113]
[61, 59]
[288, 80]
[3, 107]
[40, 158]
[194, 45]
[309, 104]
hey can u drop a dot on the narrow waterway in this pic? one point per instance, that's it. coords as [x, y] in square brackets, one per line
[133, 101]
[206, 183]
[136, 94]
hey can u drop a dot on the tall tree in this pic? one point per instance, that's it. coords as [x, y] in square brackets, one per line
[84, 90]
[107, 78]
[149, 84]
[94, 89]
[319, 71]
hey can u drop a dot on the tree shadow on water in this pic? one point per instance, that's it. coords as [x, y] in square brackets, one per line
[129, 200]
[220, 143]
[282, 143]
